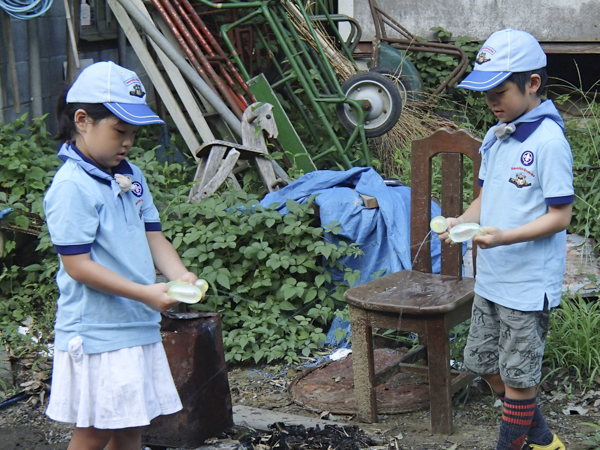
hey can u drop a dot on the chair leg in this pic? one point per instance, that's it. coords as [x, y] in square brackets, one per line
[440, 395]
[363, 365]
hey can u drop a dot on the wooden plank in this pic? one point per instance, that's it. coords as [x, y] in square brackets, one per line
[199, 171]
[220, 176]
[387, 372]
[260, 116]
[369, 202]
[155, 76]
[215, 158]
[288, 139]
[363, 365]
[438, 360]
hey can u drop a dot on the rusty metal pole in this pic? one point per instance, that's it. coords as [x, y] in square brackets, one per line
[242, 102]
[214, 45]
[182, 43]
[224, 90]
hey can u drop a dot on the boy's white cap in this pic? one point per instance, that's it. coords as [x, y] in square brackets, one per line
[504, 52]
[117, 88]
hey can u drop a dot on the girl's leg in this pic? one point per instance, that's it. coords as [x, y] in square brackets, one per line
[126, 439]
[90, 439]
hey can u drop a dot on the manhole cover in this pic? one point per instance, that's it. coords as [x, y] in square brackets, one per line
[330, 387]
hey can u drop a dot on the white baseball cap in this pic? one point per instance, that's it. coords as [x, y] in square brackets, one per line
[117, 88]
[504, 53]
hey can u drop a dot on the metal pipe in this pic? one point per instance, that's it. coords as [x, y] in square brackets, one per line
[187, 71]
[217, 48]
[12, 63]
[182, 43]
[195, 28]
[177, 13]
[35, 72]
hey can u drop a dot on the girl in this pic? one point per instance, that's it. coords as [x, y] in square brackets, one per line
[110, 375]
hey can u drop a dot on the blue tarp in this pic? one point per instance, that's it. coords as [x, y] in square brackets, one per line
[383, 233]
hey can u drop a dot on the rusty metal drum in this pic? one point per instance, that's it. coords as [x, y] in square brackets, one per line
[193, 343]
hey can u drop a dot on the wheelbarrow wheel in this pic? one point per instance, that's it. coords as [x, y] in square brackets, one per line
[381, 101]
[402, 82]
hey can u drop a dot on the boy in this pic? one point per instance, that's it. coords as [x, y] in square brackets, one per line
[525, 207]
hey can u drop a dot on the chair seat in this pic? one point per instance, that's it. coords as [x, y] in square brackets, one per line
[412, 292]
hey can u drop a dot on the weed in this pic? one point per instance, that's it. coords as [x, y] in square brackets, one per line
[573, 341]
[593, 441]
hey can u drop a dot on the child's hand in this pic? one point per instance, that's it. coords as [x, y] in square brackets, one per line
[493, 238]
[155, 296]
[188, 277]
[445, 236]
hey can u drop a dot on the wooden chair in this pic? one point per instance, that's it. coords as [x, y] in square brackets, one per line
[417, 300]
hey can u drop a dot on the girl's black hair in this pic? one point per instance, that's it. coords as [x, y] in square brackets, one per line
[65, 115]
[522, 78]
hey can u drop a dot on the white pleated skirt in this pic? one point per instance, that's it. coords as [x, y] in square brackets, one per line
[119, 389]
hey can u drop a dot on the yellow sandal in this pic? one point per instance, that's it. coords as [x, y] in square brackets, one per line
[554, 445]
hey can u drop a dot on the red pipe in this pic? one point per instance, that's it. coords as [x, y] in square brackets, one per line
[224, 90]
[217, 48]
[182, 43]
[231, 88]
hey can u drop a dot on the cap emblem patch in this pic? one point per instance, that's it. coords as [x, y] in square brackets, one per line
[482, 58]
[137, 91]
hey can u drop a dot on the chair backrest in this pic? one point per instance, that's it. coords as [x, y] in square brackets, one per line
[452, 145]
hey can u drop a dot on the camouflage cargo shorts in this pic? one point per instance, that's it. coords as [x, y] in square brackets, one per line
[506, 341]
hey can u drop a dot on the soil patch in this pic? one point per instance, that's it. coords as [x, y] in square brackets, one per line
[477, 416]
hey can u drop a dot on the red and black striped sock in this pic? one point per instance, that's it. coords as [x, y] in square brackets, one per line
[516, 421]
[539, 433]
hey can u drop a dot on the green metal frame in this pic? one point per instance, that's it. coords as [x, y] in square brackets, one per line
[316, 76]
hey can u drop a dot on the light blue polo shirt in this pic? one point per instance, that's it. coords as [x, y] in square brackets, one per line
[521, 176]
[85, 214]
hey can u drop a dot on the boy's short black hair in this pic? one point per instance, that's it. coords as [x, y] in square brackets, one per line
[522, 78]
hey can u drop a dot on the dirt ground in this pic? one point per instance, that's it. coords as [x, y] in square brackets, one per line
[476, 416]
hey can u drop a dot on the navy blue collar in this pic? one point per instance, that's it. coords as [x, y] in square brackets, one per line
[524, 129]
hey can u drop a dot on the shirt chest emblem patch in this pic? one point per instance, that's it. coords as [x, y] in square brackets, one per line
[527, 158]
[520, 181]
[137, 189]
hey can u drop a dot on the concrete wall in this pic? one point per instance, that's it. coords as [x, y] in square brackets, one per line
[53, 47]
[547, 20]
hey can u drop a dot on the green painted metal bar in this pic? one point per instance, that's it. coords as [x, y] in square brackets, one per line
[302, 71]
[232, 50]
[329, 70]
[355, 31]
[319, 111]
[290, 91]
[346, 51]
[269, 12]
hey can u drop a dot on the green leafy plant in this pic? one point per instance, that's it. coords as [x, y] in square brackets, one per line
[583, 134]
[27, 164]
[593, 442]
[268, 272]
[573, 341]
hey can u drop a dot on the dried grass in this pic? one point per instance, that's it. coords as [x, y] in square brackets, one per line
[416, 121]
